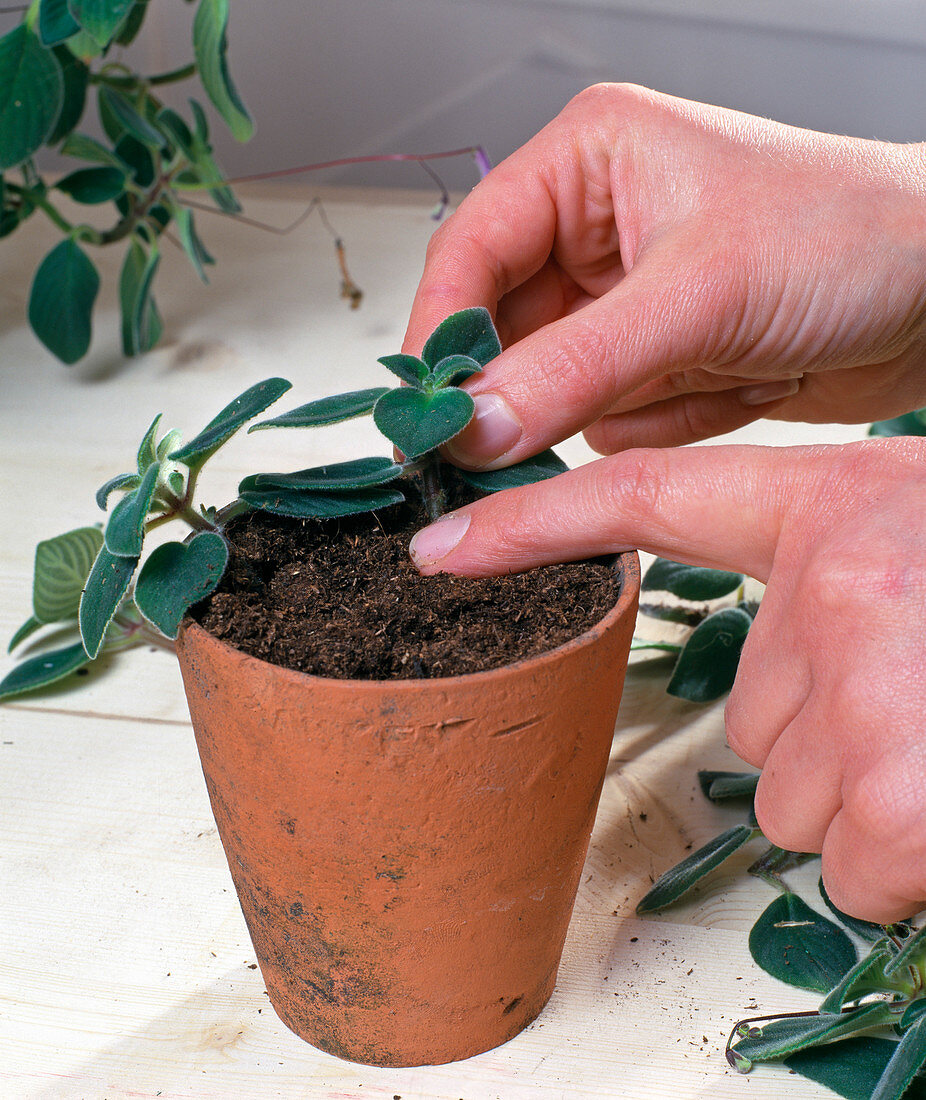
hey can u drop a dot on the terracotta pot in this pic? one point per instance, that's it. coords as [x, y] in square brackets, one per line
[407, 853]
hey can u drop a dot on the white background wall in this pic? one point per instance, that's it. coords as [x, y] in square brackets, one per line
[331, 78]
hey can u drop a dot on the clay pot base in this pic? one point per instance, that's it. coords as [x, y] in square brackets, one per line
[407, 852]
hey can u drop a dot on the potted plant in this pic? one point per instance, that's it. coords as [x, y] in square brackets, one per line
[406, 849]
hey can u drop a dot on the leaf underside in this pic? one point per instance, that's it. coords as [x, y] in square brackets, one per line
[680, 878]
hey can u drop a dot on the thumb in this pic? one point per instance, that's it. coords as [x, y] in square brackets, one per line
[722, 507]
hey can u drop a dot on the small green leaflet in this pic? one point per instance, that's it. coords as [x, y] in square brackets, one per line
[451, 372]
[108, 582]
[707, 665]
[61, 301]
[196, 251]
[851, 1067]
[28, 628]
[419, 422]
[93, 185]
[689, 582]
[141, 322]
[176, 576]
[56, 22]
[76, 80]
[129, 119]
[540, 467]
[87, 148]
[867, 976]
[120, 481]
[222, 427]
[125, 531]
[468, 332]
[31, 95]
[719, 786]
[409, 368]
[359, 473]
[100, 18]
[913, 952]
[790, 1034]
[62, 565]
[44, 669]
[210, 48]
[319, 505]
[147, 449]
[794, 943]
[677, 881]
[327, 410]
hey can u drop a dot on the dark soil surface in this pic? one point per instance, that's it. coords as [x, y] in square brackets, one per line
[341, 598]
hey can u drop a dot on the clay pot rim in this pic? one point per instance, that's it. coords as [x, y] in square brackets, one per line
[628, 562]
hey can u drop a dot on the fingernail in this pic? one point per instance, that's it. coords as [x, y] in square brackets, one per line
[493, 430]
[767, 392]
[436, 541]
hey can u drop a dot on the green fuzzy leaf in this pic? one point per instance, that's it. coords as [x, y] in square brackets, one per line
[468, 332]
[87, 148]
[913, 423]
[147, 449]
[108, 582]
[55, 22]
[359, 473]
[28, 628]
[141, 322]
[906, 1061]
[129, 119]
[93, 185]
[538, 468]
[689, 582]
[866, 977]
[318, 505]
[851, 1067]
[913, 953]
[795, 944]
[327, 410]
[120, 481]
[407, 367]
[44, 669]
[196, 251]
[789, 1035]
[913, 1012]
[62, 565]
[31, 95]
[669, 887]
[862, 928]
[100, 18]
[452, 371]
[61, 301]
[419, 422]
[707, 665]
[210, 47]
[125, 532]
[719, 786]
[176, 576]
[76, 80]
[222, 427]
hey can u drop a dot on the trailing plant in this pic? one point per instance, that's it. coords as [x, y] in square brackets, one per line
[93, 581]
[52, 65]
[883, 991]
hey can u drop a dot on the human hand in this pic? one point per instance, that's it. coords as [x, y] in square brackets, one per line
[829, 693]
[662, 271]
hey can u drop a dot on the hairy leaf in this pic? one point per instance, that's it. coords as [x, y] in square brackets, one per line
[62, 565]
[100, 18]
[689, 582]
[93, 185]
[28, 628]
[452, 371]
[707, 665]
[176, 576]
[125, 531]
[914, 1010]
[210, 47]
[147, 449]
[851, 1067]
[61, 301]
[359, 473]
[31, 95]
[538, 468]
[718, 786]
[794, 943]
[141, 322]
[906, 1061]
[913, 953]
[318, 505]
[44, 669]
[108, 582]
[56, 22]
[327, 410]
[669, 887]
[222, 427]
[790, 1034]
[419, 422]
[407, 367]
[120, 481]
[468, 332]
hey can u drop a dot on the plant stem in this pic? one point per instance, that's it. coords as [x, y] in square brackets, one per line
[435, 498]
[772, 864]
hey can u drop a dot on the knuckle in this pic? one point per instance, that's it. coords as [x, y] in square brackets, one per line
[636, 484]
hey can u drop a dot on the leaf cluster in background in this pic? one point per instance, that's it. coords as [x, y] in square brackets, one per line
[56, 65]
[883, 990]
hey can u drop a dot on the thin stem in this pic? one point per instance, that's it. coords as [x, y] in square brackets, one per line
[737, 1034]
[771, 865]
[343, 162]
[131, 80]
[435, 498]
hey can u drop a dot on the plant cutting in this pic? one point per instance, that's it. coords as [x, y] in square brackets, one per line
[406, 848]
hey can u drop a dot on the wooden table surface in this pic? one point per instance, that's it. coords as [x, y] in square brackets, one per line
[125, 968]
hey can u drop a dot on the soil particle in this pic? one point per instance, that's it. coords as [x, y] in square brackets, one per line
[341, 598]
